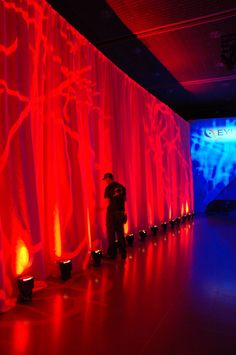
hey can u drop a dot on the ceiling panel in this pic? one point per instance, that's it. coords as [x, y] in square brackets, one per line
[141, 15]
[171, 47]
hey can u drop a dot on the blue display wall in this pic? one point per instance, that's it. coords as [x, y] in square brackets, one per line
[213, 149]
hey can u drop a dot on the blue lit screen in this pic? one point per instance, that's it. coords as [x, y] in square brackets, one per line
[213, 149]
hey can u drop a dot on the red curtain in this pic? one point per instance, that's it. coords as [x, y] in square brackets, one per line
[67, 116]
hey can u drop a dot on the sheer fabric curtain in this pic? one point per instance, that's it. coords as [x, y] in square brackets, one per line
[67, 116]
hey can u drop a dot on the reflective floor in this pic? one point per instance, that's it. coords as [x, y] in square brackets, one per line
[175, 294]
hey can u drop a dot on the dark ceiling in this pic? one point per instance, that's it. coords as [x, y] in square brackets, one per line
[173, 48]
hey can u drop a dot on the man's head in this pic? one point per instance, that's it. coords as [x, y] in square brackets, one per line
[108, 178]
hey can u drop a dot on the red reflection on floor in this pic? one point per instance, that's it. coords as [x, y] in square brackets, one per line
[175, 294]
[20, 336]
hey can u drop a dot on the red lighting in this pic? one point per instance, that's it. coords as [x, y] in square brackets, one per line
[67, 116]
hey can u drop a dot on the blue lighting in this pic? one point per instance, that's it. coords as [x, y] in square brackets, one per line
[213, 149]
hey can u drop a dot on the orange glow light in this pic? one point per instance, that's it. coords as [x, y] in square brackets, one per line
[22, 257]
[186, 208]
[126, 228]
[89, 230]
[182, 209]
[170, 212]
[57, 233]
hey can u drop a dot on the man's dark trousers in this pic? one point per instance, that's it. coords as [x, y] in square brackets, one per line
[115, 226]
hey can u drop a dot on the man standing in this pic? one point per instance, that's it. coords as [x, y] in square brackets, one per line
[115, 195]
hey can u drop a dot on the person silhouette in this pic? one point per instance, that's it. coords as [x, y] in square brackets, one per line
[115, 196]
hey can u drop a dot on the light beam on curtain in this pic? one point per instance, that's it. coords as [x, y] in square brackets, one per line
[67, 116]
